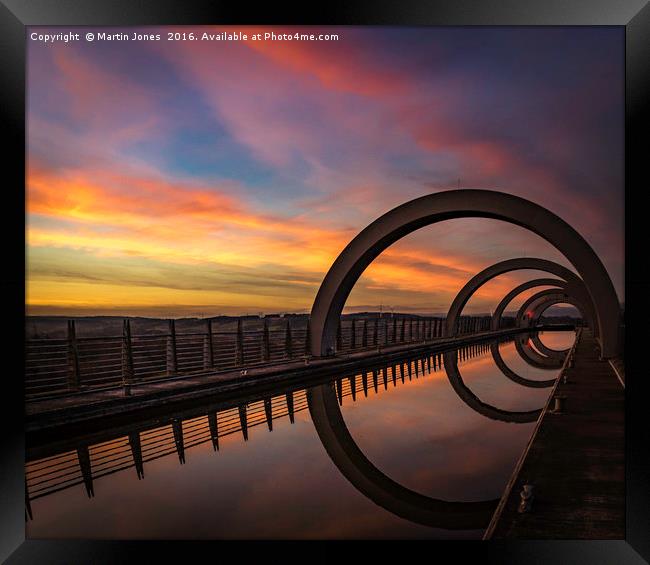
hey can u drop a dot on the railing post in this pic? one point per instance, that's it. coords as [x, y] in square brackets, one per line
[375, 333]
[83, 456]
[136, 453]
[213, 424]
[386, 332]
[210, 348]
[402, 334]
[239, 353]
[268, 411]
[353, 336]
[266, 342]
[172, 360]
[288, 341]
[289, 397]
[394, 329]
[364, 334]
[243, 420]
[339, 337]
[74, 376]
[128, 372]
[177, 428]
[308, 340]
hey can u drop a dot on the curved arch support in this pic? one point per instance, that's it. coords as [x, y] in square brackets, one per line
[531, 309]
[569, 287]
[571, 281]
[434, 208]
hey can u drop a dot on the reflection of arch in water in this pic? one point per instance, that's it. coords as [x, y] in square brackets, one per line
[508, 372]
[378, 487]
[434, 208]
[534, 358]
[528, 315]
[574, 285]
[537, 309]
[475, 403]
[545, 350]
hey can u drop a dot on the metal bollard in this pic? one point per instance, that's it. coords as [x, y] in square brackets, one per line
[560, 404]
[526, 495]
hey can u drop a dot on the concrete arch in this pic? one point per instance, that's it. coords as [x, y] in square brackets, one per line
[382, 490]
[538, 309]
[434, 208]
[529, 312]
[573, 283]
[509, 373]
[557, 283]
[475, 403]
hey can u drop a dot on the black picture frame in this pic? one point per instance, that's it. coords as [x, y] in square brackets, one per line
[633, 15]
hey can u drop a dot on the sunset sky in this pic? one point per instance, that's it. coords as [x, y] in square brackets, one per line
[204, 178]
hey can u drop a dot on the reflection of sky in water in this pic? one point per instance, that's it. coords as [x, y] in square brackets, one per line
[557, 340]
[283, 485]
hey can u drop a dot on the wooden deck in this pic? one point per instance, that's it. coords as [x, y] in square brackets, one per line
[575, 460]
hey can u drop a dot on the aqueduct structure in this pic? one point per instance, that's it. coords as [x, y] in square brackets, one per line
[589, 289]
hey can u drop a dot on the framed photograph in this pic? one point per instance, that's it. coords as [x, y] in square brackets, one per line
[371, 274]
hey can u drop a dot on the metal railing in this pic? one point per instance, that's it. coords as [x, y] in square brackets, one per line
[55, 366]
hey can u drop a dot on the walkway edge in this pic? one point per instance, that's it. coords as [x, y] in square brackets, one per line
[515, 474]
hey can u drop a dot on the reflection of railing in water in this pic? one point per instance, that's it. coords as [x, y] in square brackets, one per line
[86, 463]
[59, 366]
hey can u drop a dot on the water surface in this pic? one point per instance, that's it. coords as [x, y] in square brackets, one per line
[415, 429]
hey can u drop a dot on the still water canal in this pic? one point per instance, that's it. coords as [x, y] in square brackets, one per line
[379, 454]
